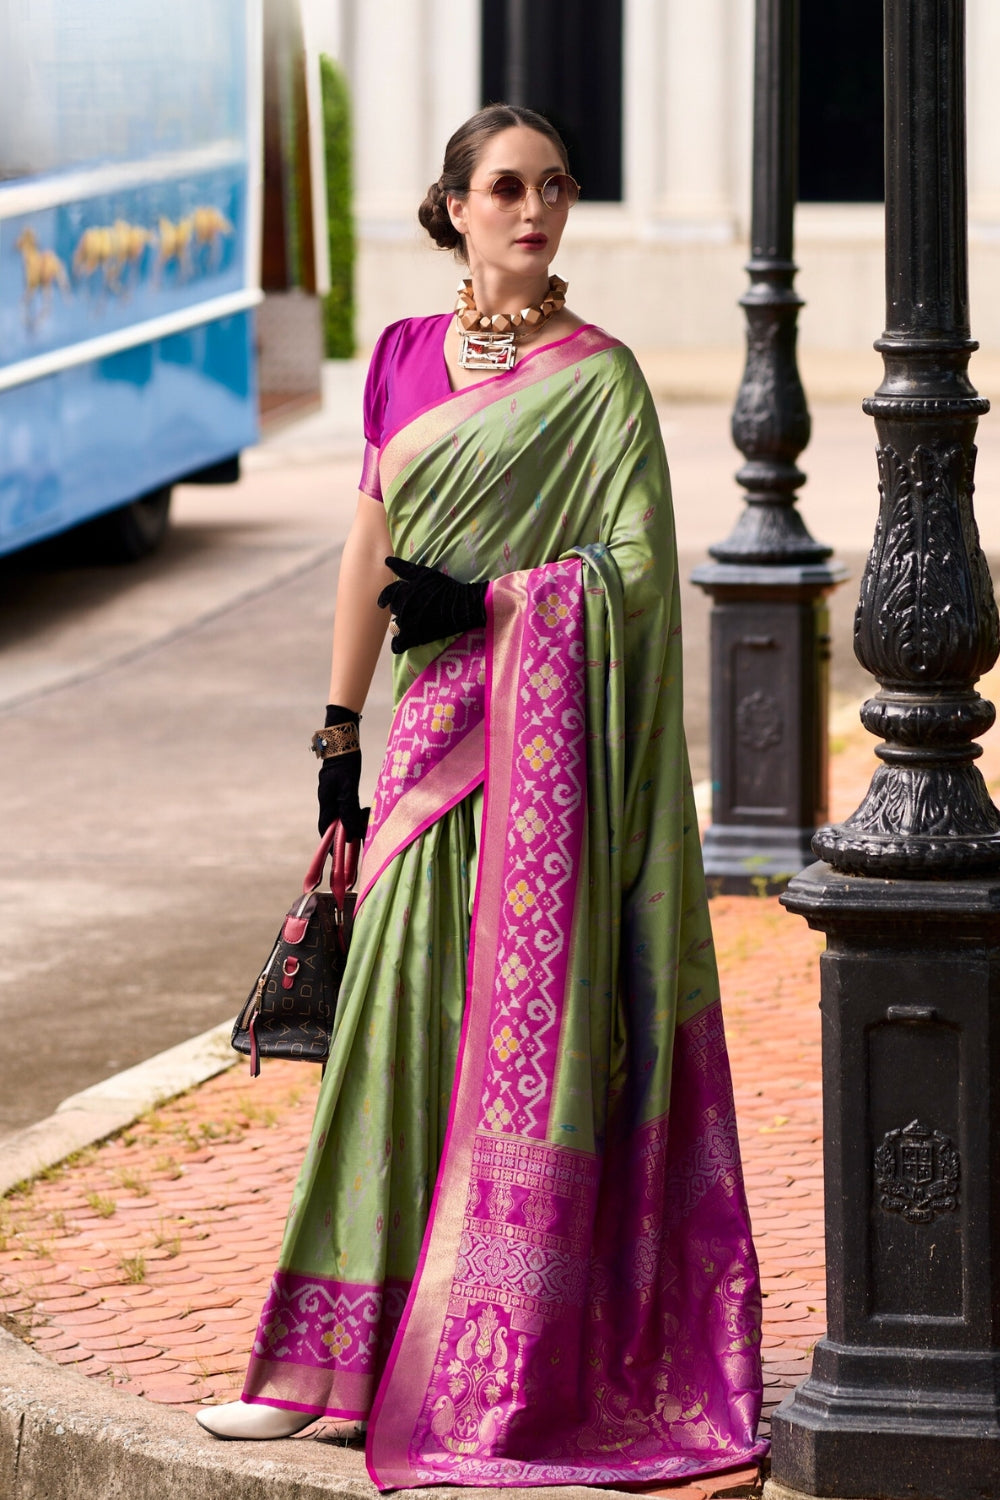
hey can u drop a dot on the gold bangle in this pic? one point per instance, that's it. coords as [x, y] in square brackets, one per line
[339, 739]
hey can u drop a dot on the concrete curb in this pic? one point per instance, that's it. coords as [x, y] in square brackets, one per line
[63, 1436]
[92, 1115]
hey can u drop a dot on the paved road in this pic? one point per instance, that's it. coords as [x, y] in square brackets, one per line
[157, 791]
[157, 788]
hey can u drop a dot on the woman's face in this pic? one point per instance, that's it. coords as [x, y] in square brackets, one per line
[522, 241]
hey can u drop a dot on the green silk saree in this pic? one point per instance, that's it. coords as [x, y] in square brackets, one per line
[519, 1243]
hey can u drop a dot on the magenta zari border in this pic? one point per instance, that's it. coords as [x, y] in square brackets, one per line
[540, 775]
[456, 794]
[323, 1342]
[443, 765]
[369, 483]
[382, 1393]
[514, 606]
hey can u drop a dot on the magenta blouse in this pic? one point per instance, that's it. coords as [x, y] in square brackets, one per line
[407, 373]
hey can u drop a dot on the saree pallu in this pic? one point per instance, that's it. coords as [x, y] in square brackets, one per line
[520, 1241]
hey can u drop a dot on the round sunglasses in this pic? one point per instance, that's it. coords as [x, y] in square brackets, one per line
[508, 192]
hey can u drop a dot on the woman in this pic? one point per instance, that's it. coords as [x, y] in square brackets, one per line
[519, 1244]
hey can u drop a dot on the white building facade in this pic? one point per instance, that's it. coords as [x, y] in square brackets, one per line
[660, 263]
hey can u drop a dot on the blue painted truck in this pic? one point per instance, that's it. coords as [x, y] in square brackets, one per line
[130, 165]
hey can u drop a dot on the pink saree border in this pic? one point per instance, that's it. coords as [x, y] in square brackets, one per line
[403, 1390]
[369, 481]
[434, 756]
[441, 789]
[318, 1404]
[442, 417]
[385, 1429]
[324, 1338]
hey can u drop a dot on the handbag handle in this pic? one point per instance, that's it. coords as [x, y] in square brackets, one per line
[345, 863]
[345, 866]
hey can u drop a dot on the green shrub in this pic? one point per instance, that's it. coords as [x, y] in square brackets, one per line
[338, 305]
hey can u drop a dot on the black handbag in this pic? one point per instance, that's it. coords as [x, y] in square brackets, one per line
[289, 1012]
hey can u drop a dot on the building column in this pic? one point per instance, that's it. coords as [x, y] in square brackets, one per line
[414, 71]
[390, 120]
[695, 189]
[984, 159]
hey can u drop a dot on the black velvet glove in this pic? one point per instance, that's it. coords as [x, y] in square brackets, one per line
[339, 779]
[427, 605]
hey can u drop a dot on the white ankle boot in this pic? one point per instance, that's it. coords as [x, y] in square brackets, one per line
[248, 1420]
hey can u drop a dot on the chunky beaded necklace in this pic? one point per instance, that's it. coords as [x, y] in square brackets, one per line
[488, 342]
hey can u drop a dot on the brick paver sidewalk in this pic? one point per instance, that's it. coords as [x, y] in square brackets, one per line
[145, 1261]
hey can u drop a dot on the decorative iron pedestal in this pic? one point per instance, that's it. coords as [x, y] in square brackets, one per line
[904, 1395]
[770, 650]
[770, 578]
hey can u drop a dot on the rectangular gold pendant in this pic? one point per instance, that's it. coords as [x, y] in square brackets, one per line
[494, 352]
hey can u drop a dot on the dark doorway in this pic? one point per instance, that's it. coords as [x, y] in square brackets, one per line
[564, 59]
[841, 127]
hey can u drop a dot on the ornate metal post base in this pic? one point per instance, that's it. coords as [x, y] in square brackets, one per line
[770, 579]
[904, 1395]
[769, 665]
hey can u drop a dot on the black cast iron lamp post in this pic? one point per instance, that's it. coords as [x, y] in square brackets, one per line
[904, 1395]
[770, 578]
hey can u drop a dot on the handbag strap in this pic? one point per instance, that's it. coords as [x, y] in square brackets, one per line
[314, 874]
[345, 863]
[345, 866]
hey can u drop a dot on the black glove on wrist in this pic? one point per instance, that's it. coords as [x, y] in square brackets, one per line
[428, 605]
[339, 779]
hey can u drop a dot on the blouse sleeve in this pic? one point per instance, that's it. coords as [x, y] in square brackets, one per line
[375, 402]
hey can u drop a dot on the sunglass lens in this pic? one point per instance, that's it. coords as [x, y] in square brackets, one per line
[559, 191]
[507, 192]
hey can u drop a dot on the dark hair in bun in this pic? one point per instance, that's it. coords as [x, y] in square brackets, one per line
[461, 155]
[433, 215]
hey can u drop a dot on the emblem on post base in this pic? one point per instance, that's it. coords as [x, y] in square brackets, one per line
[917, 1173]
